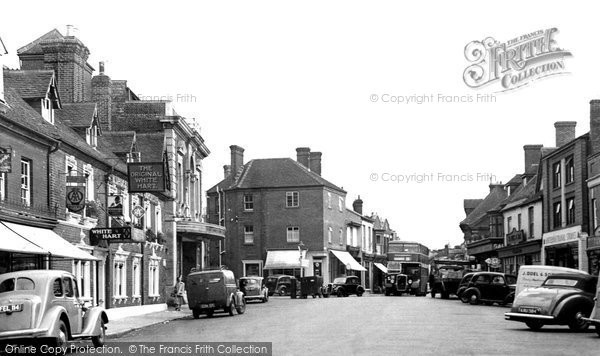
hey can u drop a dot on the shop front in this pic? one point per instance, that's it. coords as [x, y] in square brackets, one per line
[291, 262]
[519, 254]
[343, 264]
[485, 251]
[565, 248]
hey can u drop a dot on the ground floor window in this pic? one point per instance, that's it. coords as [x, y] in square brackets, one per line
[83, 275]
[252, 268]
[563, 256]
[154, 277]
[136, 277]
[120, 277]
[594, 262]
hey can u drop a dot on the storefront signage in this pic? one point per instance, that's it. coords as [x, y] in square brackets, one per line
[562, 236]
[76, 198]
[146, 177]
[123, 234]
[593, 242]
[5, 160]
[515, 237]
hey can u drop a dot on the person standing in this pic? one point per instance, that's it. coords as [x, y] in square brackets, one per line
[179, 292]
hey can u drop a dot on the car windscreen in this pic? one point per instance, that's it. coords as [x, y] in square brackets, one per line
[561, 282]
[339, 280]
[13, 284]
[466, 279]
[249, 282]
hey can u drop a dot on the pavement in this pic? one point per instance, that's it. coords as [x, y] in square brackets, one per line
[120, 327]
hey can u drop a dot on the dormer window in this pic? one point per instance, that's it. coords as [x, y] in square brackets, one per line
[91, 136]
[48, 110]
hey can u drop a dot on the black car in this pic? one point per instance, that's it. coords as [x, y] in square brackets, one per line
[279, 284]
[344, 286]
[489, 288]
[464, 283]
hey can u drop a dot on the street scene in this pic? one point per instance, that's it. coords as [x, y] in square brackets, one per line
[273, 179]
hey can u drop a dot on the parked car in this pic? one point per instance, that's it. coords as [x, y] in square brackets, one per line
[311, 285]
[344, 286]
[489, 288]
[254, 288]
[563, 299]
[397, 284]
[209, 291]
[462, 286]
[279, 284]
[45, 304]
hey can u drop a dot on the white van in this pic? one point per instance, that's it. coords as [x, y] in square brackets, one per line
[531, 276]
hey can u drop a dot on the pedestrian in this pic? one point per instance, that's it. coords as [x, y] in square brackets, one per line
[179, 292]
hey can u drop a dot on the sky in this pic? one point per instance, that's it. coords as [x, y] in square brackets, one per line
[272, 76]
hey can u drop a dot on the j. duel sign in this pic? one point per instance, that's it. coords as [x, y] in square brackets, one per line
[146, 177]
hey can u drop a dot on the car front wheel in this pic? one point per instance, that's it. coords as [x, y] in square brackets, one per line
[577, 323]
[534, 324]
[62, 339]
[473, 298]
[231, 309]
[242, 307]
[98, 340]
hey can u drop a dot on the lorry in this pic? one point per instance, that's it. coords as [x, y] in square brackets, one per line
[446, 275]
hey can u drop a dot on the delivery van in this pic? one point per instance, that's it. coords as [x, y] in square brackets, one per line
[531, 276]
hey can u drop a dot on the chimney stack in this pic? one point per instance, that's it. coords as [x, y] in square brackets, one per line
[226, 170]
[315, 162]
[357, 205]
[303, 156]
[595, 125]
[533, 154]
[499, 186]
[101, 67]
[565, 132]
[237, 158]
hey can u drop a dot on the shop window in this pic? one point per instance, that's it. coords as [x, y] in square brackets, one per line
[293, 234]
[248, 234]
[248, 202]
[556, 215]
[556, 175]
[569, 170]
[570, 211]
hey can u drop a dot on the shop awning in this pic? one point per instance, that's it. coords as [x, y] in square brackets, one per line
[348, 260]
[49, 242]
[381, 267]
[281, 259]
[13, 242]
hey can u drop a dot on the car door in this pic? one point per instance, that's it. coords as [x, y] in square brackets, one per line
[352, 285]
[72, 304]
[498, 289]
[482, 283]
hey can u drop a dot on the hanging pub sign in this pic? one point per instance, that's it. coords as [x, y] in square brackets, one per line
[146, 177]
[115, 205]
[138, 211]
[5, 160]
[75, 198]
[111, 234]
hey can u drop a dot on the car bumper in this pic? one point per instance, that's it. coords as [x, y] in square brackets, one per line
[528, 317]
[23, 334]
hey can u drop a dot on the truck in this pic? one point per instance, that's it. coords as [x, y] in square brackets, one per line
[446, 275]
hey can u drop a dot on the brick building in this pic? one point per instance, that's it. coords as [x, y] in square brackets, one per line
[281, 216]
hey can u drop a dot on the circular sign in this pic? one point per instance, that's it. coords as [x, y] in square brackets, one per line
[138, 211]
[75, 196]
[348, 266]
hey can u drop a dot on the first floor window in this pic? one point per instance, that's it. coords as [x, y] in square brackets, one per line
[292, 199]
[531, 218]
[595, 213]
[154, 277]
[248, 202]
[570, 211]
[293, 234]
[136, 277]
[25, 182]
[120, 277]
[329, 235]
[341, 238]
[2, 186]
[249, 234]
[557, 219]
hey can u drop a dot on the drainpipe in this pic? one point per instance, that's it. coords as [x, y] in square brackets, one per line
[51, 150]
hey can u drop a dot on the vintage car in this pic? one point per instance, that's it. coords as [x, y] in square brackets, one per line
[279, 284]
[563, 299]
[462, 286]
[212, 290]
[254, 288]
[44, 305]
[489, 288]
[397, 284]
[344, 286]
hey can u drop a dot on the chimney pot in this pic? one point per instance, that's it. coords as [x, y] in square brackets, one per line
[595, 125]
[565, 132]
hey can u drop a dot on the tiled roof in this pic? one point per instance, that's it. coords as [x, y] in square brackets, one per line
[24, 115]
[151, 146]
[522, 195]
[470, 204]
[76, 114]
[30, 84]
[516, 180]
[491, 201]
[34, 47]
[117, 142]
[273, 173]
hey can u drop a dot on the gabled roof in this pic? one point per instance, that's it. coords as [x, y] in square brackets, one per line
[273, 173]
[77, 114]
[34, 47]
[491, 201]
[32, 84]
[151, 145]
[523, 195]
